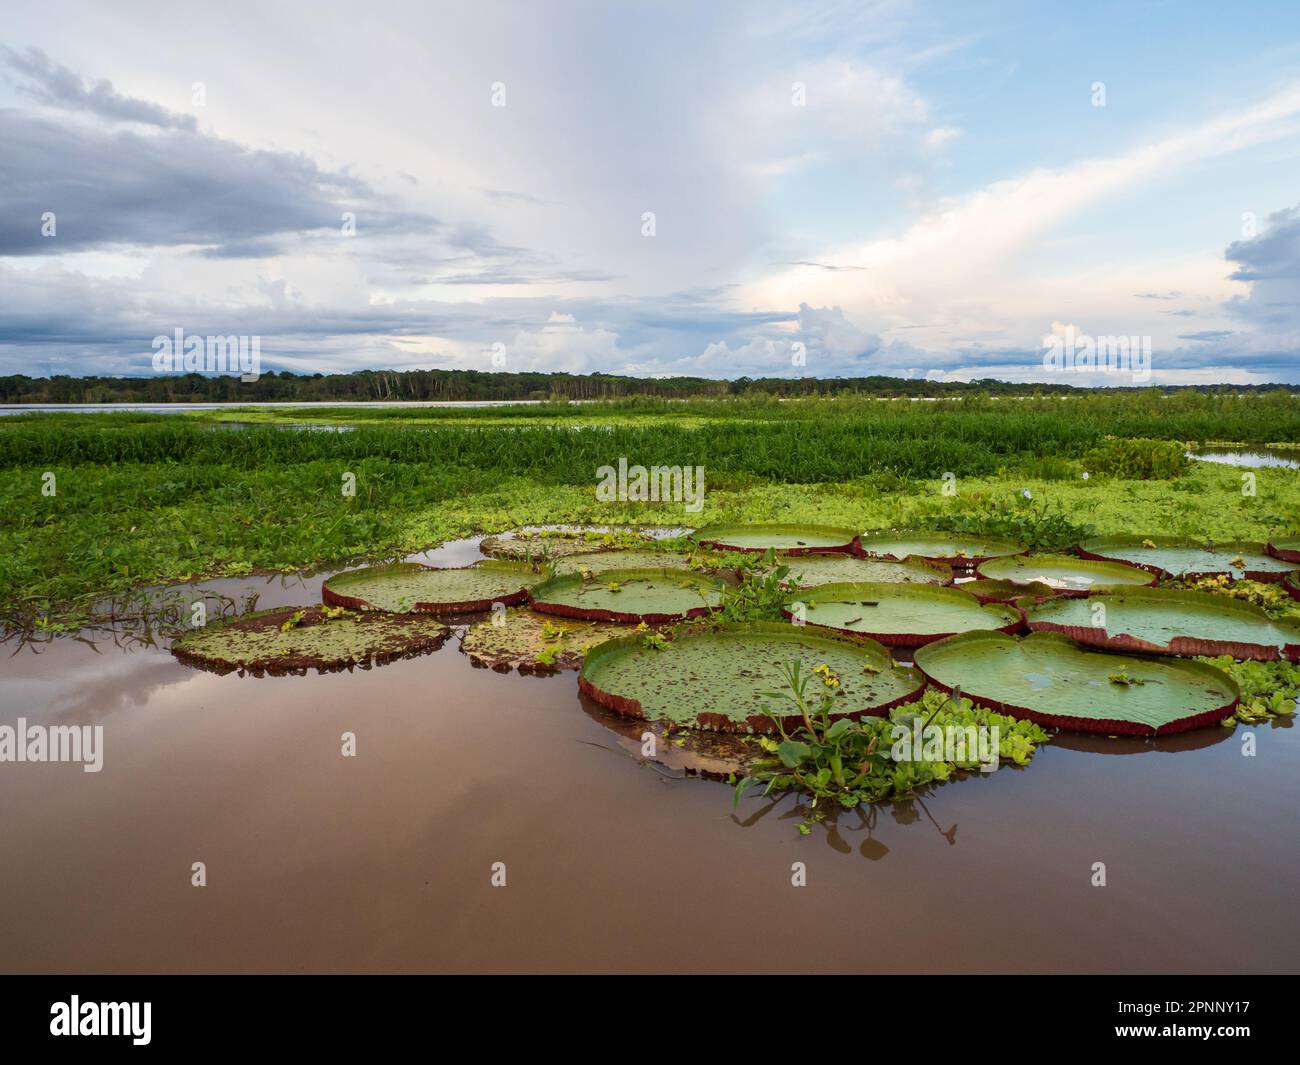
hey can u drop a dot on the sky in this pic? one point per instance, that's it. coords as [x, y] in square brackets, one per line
[925, 190]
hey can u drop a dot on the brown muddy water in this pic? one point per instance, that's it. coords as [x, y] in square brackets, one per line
[383, 861]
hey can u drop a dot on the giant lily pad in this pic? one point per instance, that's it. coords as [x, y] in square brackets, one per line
[1164, 621]
[720, 677]
[534, 643]
[1049, 679]
[900, 615]
[294, 639]
[955, 550]
[408, 587]
[1287, 549]
[807, 571]
[598, 561]
[650, 595]
[789, 539]
[1063, 573]
[532, 543]
[1291, 585]
[1189, 560]
[1005, 591]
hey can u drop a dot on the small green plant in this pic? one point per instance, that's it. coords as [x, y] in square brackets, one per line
[1121, 677]
[293, 621]
[761, 592]
[1138, 460]
[1268, 689]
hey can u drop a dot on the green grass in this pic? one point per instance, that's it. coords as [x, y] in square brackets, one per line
[148, 498]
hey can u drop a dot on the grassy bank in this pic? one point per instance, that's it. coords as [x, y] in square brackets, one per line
[148, 498]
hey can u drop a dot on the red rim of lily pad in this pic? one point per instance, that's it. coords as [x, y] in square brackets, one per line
[929, 659]
[541, 597]
[875, 655]
[1291, 585]
[332, 595]
[838, 540]
[1179, 646]
[395, 635]
[1009, 615]
[1107, 548]
[1287, 550]
[865, 545]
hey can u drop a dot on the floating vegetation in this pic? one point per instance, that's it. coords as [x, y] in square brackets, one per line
[850, 763]
[808, 571]
[1189, 560]
[1268, 689]
[629, 595]
[597, 561]
[1051, 680]
[957, 550]
[899, 615]
[787, 539]
[296, 639]
[1167, 621]
[408, 587]
[534, 643]
[536, 545]
[1064, 574]
[722, 676]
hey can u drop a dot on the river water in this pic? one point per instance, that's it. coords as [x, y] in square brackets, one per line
[383, 861]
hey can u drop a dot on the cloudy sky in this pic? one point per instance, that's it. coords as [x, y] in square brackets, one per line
[916, 189]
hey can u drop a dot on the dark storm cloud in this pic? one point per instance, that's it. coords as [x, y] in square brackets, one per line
[1271, 263]
[49, 83]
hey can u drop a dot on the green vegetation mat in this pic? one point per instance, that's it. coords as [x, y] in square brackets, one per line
[534, 643]
[1051, 680]
[721, 677]
[900, 615]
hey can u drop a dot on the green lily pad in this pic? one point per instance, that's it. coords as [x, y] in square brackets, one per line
[790, 539]
[955, 550]
[294, 639]
[1287, 549]
[408, 587]
[1051, 680]
[535, 544]
[1165, 621]
[1064, 574]
[534, 643]
[1291, 585]
[597, 561]
[808, 571]
[1238, 559]
[650, 595]
[987, 591]
[900, 615]
[720, 677]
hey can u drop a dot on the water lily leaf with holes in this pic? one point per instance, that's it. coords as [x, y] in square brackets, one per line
[720, 677]
[1169, 556]
[900, 615]
[789, 539]
[1064, 573]
[596, 561]
[407, 587]
[955, 550]
[534, 643]
[1166, 621]
[808, 571]
[633, 595]
[535, 543]
[295, 639]
[1051, 680]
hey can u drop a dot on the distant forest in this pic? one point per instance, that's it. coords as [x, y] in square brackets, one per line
[393, 385]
